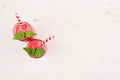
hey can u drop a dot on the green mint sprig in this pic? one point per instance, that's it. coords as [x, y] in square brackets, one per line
[34, 52]
[21, 35]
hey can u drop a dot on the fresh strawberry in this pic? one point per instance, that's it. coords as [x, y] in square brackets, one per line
[35, 48]
[23, 31]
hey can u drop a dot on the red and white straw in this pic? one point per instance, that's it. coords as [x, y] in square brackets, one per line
[18, 18]
[48, 39]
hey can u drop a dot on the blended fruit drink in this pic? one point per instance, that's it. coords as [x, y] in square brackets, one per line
[23, 31]
[35, 48]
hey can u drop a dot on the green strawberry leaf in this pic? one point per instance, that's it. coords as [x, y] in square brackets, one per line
[29, 34]
[39, 52]
[28, 50]
[19, 36]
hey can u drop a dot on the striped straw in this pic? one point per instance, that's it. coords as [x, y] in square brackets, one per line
[18, 18]
[48, 39]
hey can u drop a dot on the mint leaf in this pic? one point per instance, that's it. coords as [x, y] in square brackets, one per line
[39, 52]
[29, 34]
[28, 50]
[32, 51]
[19, 36]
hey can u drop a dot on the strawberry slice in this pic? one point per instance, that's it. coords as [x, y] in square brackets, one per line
[35, 48]
[23, 31]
